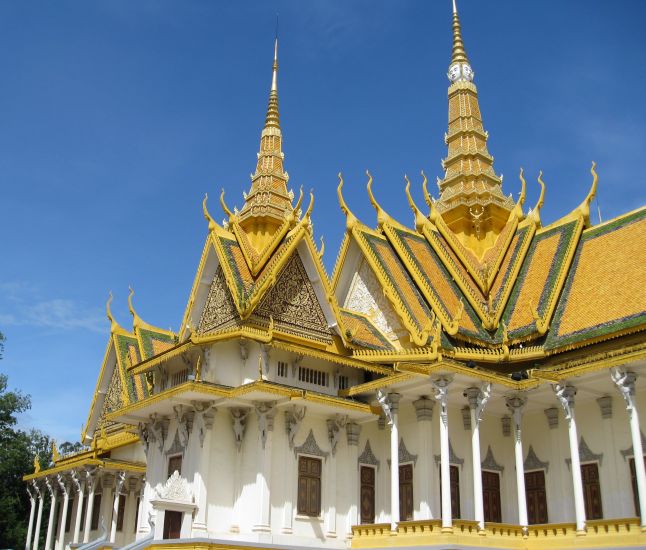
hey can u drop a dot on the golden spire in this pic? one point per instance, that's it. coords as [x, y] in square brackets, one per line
[458, 55]
[268, 201]
[471, 200]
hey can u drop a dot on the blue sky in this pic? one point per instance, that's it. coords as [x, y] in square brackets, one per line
[116, 117]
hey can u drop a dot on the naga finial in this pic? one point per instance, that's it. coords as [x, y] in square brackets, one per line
[207, 216]
[382, 217]
[224, 206]
[299, 202]
[350, 218]
[420, 219]
[536, 212]
[108, 311]
[584, 208]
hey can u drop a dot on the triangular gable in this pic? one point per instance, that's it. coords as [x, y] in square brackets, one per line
[219, 310]
[128, 354]
[293, 305]
[604, 295]
[103, 385]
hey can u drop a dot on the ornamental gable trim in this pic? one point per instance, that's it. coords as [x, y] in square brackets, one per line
[532, 462]
[368, 457]
[310, 447]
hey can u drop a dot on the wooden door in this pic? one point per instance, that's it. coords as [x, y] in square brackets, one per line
[633, 482]
[536, 497]
[406, 492]
[172, 524]
[309, 486]
[367, 494]
[454, 473]
[491, 496]
[591, 491]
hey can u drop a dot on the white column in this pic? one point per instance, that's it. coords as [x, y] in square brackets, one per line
[52, 510]
[516, 405]
[390, 405]
[423, 491]
[121, 477]
[293, 419]
[80, 489]
[330, 482]
[32, 513]
[202, 428]
[65, 489]
[352, 432]
[565, 394]
[90, 481]
[39, 517]
[265, 414]
[129, 526]
[478, 398]
[441, 386]
[625, 382]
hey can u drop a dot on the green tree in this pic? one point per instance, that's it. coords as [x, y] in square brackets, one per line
[15, 459]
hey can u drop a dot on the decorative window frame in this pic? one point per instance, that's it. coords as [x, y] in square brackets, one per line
[310, 449]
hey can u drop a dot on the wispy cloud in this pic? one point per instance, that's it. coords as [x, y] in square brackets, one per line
[21, 305]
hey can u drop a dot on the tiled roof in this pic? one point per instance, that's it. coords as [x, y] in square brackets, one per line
[128, 353]
[436, 282]
[605, 292]
[539, 280]
[383, 259]
[363, 332]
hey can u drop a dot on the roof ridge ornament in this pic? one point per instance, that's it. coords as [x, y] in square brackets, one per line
[108, 310]
[584, 207]
[420, 219]
[212, 223]
[350, 219]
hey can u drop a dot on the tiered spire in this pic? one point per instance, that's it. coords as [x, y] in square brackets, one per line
[471, 200]
[268, 201]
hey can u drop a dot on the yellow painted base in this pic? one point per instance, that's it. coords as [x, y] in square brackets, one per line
[611, 533]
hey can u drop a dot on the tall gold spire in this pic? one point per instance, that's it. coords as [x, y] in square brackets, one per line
[268, 202]
[458, 55]
[471, 200]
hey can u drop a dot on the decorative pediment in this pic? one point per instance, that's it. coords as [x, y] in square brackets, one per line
[368, 457]
[310, 447]
[489, 462]
[585, 454]
[629, 452]
[292, 303]
[113, 399]
[404, 455]
[453, 458]
[219, 310]
[532, 462]
[175, 489]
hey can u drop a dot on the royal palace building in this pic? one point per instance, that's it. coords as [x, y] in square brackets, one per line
[473, 381]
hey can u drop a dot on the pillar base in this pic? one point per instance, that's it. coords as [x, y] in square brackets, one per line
[287, 531]
[581, 533]
[234, 529]
[261, 528]
[446, 530]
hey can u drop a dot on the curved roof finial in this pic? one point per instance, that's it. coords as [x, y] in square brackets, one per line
[536, 212]
[350, 218]
[382, 217]
[518, 209]
[225, 207]
[420, 219]
[430, 201]
[212, 223]
[108, 310]
[584, 208]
